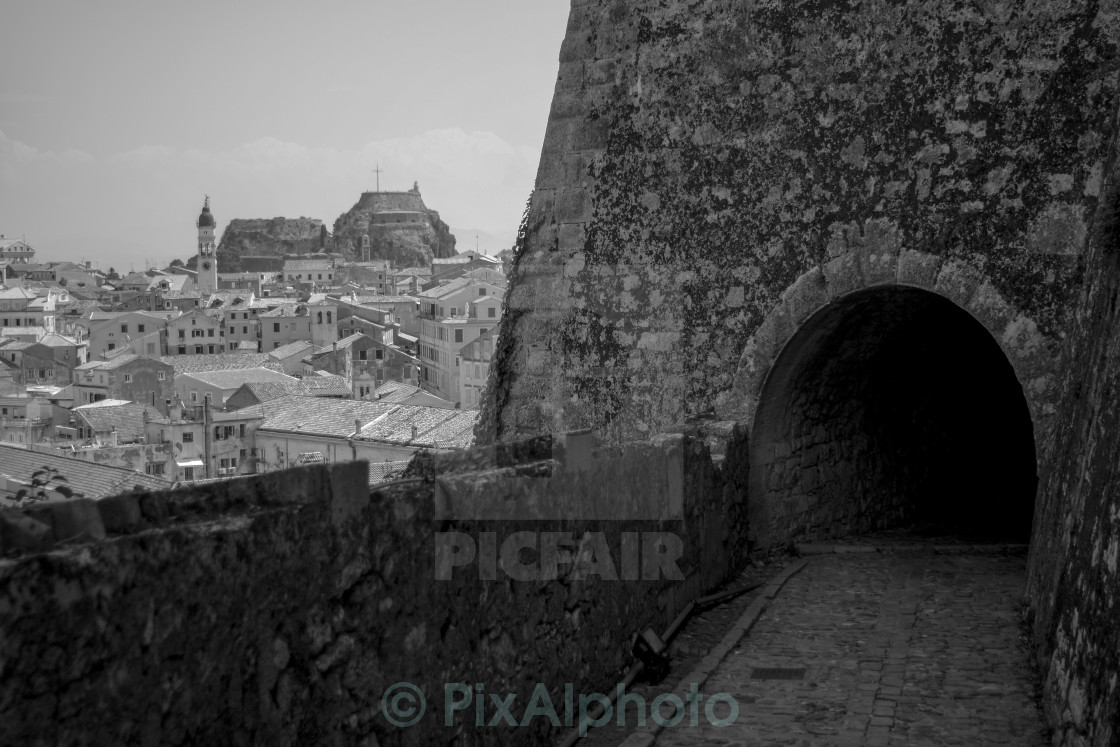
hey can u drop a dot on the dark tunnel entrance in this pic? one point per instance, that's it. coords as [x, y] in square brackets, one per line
[892, 407]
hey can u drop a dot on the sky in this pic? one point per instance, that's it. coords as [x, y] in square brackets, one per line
[118, 116]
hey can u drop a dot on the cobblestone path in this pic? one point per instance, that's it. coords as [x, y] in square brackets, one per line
[908, 647]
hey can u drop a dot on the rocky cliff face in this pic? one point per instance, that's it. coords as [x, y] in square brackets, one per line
[400, 226]
[267, 237]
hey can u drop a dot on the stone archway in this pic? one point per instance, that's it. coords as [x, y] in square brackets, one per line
[875, 385]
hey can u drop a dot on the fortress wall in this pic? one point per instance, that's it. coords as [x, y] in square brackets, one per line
[716, 172]
[277, 609]
[702, 157]
[1074, 579]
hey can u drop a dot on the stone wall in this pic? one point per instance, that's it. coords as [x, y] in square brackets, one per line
[701, 158]
[277, 609]
[716, 175]
[1074, 579]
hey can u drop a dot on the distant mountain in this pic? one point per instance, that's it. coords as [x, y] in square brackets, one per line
[272, 237]
[400, 227]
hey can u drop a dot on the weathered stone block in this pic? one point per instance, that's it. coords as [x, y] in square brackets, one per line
[918, 268]
[958, 282]
[349, 489]
[806, 295]
[21, 532]
[154, 507]
[120, 514]
[843, 275]
[77, 520]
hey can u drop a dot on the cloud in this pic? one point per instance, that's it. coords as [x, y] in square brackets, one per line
[149, 193]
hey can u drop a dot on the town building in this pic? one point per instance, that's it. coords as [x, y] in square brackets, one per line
[196, 332]
[14, 308]
[453, 315]
[112, 330]
[129, 377]
[474, 368]
[296, 430]
[317, 272]
[15, 251]
[216, 386]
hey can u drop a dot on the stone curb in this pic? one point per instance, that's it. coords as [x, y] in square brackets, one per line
[645, 736]
[810, 549]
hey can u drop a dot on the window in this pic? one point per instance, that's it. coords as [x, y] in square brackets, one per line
[244, 330]
[379, 354]
[188, 472]
[182, 334]
[188, 437]
[198, 350]
[328, 317]
[491, 312]
[194, 397]
[210, 332]
[139, 327]
[482, 291]
[182, 350]
[458, 335]
[128, 378]
[320, 318]
[241, 432]
[162, 375]
[124, 329]
[112, 346]
[242, 452]
[276, 326]
[361, 355]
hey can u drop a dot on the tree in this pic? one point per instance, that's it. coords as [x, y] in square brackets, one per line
[176, 263]
[42, 481]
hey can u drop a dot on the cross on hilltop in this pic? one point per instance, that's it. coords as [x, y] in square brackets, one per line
[377, 174]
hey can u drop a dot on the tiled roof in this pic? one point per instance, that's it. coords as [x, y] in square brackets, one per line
[292, 348]
[413, 271]
[90, 479]
[287, 310]
[220, 362]
[417, 425]
[126, 419]
[395, 391]
[323, 384]
[58, 341]
[22, 331]
[232, 379]
[443, 290]
[124, 360]
[325, 417]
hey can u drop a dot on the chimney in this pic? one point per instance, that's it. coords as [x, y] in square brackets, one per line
[414, 432]
[357, 426]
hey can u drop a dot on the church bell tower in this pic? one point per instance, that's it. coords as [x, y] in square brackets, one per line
[207, 265]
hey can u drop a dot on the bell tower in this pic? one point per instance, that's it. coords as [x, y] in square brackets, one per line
[207, 265]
